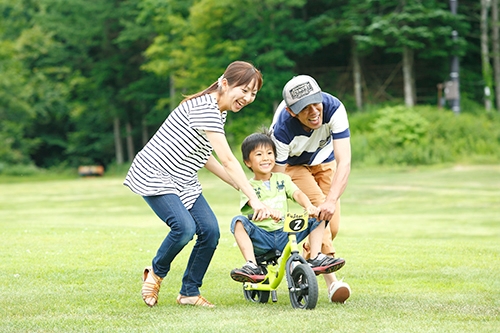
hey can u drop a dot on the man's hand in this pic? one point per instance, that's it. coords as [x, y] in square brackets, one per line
[327, 209]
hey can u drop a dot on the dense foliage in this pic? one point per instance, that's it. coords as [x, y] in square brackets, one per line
[424, 135]
[89, 81]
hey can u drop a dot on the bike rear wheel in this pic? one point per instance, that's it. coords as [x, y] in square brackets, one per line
[256, 296]
[304, 293]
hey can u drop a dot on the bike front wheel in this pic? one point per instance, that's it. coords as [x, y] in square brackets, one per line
[304, 292]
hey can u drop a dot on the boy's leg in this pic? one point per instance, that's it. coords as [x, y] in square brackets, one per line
[244, 242]
[320, 263]
[323, 175]
[250, 239]
[315, 239]
[330, 232]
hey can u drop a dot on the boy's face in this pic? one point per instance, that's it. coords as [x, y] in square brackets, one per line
[261, 160]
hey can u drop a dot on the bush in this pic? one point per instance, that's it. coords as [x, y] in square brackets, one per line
[424, 135]
[18, 169]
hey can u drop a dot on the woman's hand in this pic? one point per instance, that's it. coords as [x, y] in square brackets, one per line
[260, 211]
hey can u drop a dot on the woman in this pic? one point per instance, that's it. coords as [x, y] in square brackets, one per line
[164, 172]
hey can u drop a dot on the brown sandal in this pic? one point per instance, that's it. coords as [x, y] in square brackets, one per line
[150, 286]
[194, 300]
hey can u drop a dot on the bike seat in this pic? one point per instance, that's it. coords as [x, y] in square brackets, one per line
[269, 256]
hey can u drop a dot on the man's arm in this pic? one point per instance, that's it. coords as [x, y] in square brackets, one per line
[342, 149]
[279, 168]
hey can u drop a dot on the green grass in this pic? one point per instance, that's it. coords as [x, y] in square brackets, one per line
[422, 248]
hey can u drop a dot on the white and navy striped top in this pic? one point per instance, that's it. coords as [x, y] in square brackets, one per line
[296, 146]
[169, 162]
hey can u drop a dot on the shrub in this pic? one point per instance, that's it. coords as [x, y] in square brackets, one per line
[424, 135]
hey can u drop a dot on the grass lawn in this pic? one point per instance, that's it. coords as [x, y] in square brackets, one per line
[422, 250]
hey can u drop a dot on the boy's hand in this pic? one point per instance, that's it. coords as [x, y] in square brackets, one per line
[276, 214]
[313, 211]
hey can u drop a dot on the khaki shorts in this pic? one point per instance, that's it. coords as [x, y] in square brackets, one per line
[315, 181]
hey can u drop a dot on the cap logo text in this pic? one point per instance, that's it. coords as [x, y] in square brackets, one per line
[301, 90]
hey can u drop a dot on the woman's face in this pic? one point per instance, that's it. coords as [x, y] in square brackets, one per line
[235, 98]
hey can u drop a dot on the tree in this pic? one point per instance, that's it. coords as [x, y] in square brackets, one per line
[347, 20]
[496, 50]
[485, 55]
[422, 27]
[194, 49]
[15, 112]
[86, 81]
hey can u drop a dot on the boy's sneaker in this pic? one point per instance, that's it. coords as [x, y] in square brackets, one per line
[250, 272]
[323, 264]
[338, 292]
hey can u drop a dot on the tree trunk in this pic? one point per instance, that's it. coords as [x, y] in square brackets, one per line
[496, 50]
[130, 143]
[118, 141]
[173, 104]
[144, 124]
[408, 76]
[356, 73]
[485, 57]
[145, 132]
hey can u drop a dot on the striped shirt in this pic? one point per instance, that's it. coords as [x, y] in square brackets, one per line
[169, 162]
[296, 146]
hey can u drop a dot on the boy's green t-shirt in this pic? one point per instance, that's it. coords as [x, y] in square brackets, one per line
[275, 196]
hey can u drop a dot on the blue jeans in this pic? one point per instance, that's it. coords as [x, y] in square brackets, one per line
[264, 241]
[184, 224]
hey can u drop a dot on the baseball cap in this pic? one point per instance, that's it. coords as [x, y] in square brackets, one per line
[301, 91]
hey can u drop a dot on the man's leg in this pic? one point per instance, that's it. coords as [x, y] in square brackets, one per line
[338, 291]
[315, 181]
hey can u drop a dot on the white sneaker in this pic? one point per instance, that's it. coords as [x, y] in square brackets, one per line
[339, 292]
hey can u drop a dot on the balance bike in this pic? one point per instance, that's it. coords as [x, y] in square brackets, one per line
[302, 282]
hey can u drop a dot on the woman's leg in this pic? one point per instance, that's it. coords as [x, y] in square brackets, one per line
[207, 231]
[170, 209]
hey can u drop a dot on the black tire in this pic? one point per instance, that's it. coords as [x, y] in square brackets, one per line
[304, 294]
[256, 296]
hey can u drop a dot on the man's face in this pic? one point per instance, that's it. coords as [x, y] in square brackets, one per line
[311, 117]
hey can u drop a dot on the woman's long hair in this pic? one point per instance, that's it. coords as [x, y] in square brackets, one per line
[238, 73]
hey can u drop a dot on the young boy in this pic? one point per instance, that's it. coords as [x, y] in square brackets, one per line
[273, 189]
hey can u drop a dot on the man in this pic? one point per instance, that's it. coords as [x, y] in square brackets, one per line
[308, 127]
